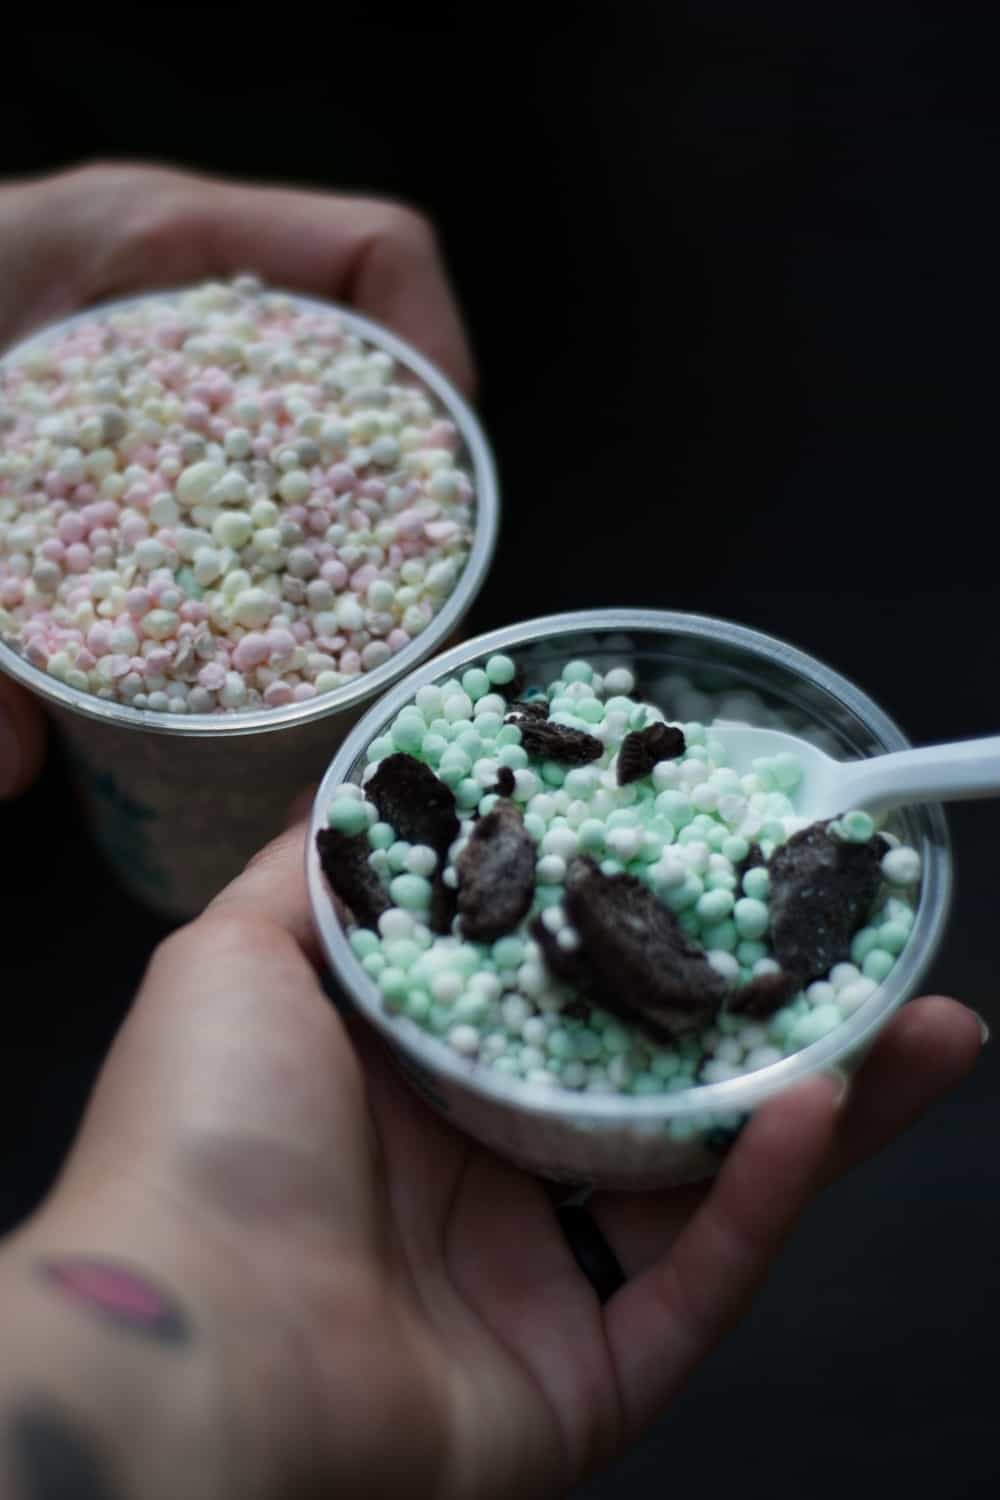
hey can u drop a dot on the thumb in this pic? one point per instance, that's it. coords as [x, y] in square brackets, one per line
[22, 738]
[233, 1082]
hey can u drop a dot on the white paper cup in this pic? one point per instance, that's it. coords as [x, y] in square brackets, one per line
[683, 663]
[179, 803]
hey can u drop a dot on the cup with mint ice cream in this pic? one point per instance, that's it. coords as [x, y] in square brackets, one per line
[587, 939]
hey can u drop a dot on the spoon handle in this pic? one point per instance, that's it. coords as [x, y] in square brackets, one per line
[937, 773]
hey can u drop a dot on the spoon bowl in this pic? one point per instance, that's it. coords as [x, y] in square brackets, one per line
[954, 772]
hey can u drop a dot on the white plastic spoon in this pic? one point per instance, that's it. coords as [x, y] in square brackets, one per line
[937, 773]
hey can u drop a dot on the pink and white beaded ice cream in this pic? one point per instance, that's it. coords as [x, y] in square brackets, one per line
[221, 500]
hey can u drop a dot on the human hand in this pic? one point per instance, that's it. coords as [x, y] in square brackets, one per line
[390, 1308]
[81, 237]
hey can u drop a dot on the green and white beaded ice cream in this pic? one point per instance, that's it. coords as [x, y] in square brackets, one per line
[566, 886]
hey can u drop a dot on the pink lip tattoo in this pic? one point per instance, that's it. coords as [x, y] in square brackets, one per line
[118, 1295]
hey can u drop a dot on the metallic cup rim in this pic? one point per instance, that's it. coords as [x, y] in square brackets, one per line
[368, 684]
[595, 1110]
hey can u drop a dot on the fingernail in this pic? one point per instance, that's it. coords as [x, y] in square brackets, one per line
[984, 1029]
[10, 752]
[843, 1082]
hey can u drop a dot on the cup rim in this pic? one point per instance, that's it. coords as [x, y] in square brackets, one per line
[734, 1095]
[368, 684]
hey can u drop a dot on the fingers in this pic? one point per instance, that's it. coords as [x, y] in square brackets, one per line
[22, 738]
[662, 1323]
[925, 1051]
[301, 806]
[920, 1056]
[398, 277]
[380, 257]
[141, 226]
[696, 1253]
[273, 889]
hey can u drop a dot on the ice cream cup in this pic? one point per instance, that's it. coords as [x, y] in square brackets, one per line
[178, 804]
[693, 667]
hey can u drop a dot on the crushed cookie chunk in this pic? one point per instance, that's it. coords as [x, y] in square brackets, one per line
[531, 708]
[568, 964]
[496, 875]
[644, 748]
[765, 994]
[343, 858]
[547, 741]
[505, 783]
[443, 908]
[641, 965]
[418, 807]
[822, 891]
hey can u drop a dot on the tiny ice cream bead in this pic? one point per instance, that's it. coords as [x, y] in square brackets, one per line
[877, 964]
[843, 974]
[815, 1024]
[820, 992]
[500, 670]
[891, 936]
[234, 691]
[901, 866]
[195, 483]
[854, 995]
[295, 486]
[757, 883]
[253, 607]
[421, 860]
[751, 917]
[347, 815]
[853, 827]
[159, 624]
[412, 892]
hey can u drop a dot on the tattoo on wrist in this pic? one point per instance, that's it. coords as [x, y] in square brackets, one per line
[118, 1294]
[50, 1459]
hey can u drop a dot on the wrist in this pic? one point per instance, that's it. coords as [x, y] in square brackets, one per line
[121, 1338]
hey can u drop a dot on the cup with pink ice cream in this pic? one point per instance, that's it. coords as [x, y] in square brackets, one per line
[229, 519]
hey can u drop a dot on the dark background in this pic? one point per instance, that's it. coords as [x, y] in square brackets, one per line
[730, 272]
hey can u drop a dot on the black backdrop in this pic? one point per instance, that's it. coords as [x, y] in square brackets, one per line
[730, 276]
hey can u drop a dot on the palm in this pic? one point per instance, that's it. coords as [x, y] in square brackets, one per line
[506, 1304]
[424, 1306]
[552, 1382]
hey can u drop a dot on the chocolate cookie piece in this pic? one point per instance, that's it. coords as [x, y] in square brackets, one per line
[568, 964]
[822, 891]
[419, 807]
[641, 965]
[547, 741]
[343, 858]
[496, 875]
[765, 994]
[533, 708]
[643, 748]
[443, 908]
[504, 784]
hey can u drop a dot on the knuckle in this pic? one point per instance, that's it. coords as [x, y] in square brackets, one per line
[158, 224]
[406, 226]
[108, 177]
[174, 946]
[218, 932]
[157, 212]
[98, 173]
[273, 853]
